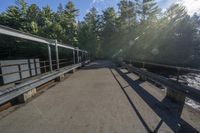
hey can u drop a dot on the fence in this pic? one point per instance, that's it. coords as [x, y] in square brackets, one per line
[45, 65]
[178, 69]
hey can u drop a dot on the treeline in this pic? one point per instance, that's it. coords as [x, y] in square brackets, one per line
[138, 30]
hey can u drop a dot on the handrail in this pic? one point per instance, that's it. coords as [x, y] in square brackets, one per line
[188, 91]
[16, 33]
[17, 90]
[44, 66]
[31, 63]
[76, 52]
[166, 66]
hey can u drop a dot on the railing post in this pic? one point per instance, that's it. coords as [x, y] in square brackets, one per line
[50, 59]
[77, 52]
[74, 57]
[35, 65]
[45, 69]
[84, 56]
[81, 56]
[57, 56]
[20, 71]
[29, 67]
[176, 96]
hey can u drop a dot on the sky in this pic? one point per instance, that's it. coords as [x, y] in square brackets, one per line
[85, 5]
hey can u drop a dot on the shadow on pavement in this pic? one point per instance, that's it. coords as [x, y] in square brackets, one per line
[168, 112]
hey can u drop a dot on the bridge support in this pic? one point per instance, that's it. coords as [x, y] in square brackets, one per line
[73, 71]
[60, 78]
[176, 96]
[26, 96]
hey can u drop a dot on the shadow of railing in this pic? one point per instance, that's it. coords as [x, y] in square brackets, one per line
[168, 112]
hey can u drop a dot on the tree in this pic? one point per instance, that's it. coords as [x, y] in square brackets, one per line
[89, 33]
[33, 19]
[69, 23]
[109, 32]
[127, 10]
[149, 9]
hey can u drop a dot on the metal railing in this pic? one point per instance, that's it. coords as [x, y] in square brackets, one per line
[49, 42]
[186, 69]
[170, 84]
[178, 69]
[46, 65]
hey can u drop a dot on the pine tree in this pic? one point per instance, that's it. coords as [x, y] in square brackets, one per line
[109, 32]
[127, 10]
[149, 9]
[89, 33]
[69, 23]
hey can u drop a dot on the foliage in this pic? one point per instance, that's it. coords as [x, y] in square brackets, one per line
[137, 30]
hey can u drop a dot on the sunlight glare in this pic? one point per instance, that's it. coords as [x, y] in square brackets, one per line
[192, 6]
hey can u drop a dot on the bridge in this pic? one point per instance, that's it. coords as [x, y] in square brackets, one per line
[91, 96]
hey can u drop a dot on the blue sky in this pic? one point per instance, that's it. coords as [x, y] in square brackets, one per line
[85, 5]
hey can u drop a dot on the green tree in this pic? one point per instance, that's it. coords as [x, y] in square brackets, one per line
[109, 32]
[89, 34]
[149, 9]
[127, 11]
[69, 23]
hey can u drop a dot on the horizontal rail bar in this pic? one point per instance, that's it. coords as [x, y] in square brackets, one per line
[5, 74]
[167, 66]
[188, 91]
[19, 34]
[16, 33]
[18, 64]
[31, 63]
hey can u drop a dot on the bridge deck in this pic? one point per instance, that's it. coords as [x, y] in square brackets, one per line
[95, 99]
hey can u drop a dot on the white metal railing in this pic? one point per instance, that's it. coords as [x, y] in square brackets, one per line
[49, 42]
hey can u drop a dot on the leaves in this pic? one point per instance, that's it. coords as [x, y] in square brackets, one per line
[137, 30]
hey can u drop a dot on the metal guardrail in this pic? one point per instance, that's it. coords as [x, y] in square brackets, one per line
[44, 66]
[170, 84]
[177, 68]
[80, 57]
[49, 42]
[186, 69]
[17, 90]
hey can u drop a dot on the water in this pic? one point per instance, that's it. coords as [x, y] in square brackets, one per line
[192, 80]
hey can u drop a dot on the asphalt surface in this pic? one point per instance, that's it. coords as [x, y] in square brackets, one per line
[92, 100]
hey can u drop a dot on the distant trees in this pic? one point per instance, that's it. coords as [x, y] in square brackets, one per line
[138, 30]
[168, 38]
[89, 33]
[59, 25]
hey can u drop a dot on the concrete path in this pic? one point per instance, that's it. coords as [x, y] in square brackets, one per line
[90, 101]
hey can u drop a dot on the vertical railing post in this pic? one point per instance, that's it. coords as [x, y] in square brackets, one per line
[57, 56]
[45, 68]
[74, 56]
[50, 59]
[77, 52]
[20, 71]
[81, 54]
[29, 67]
[35, 65]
